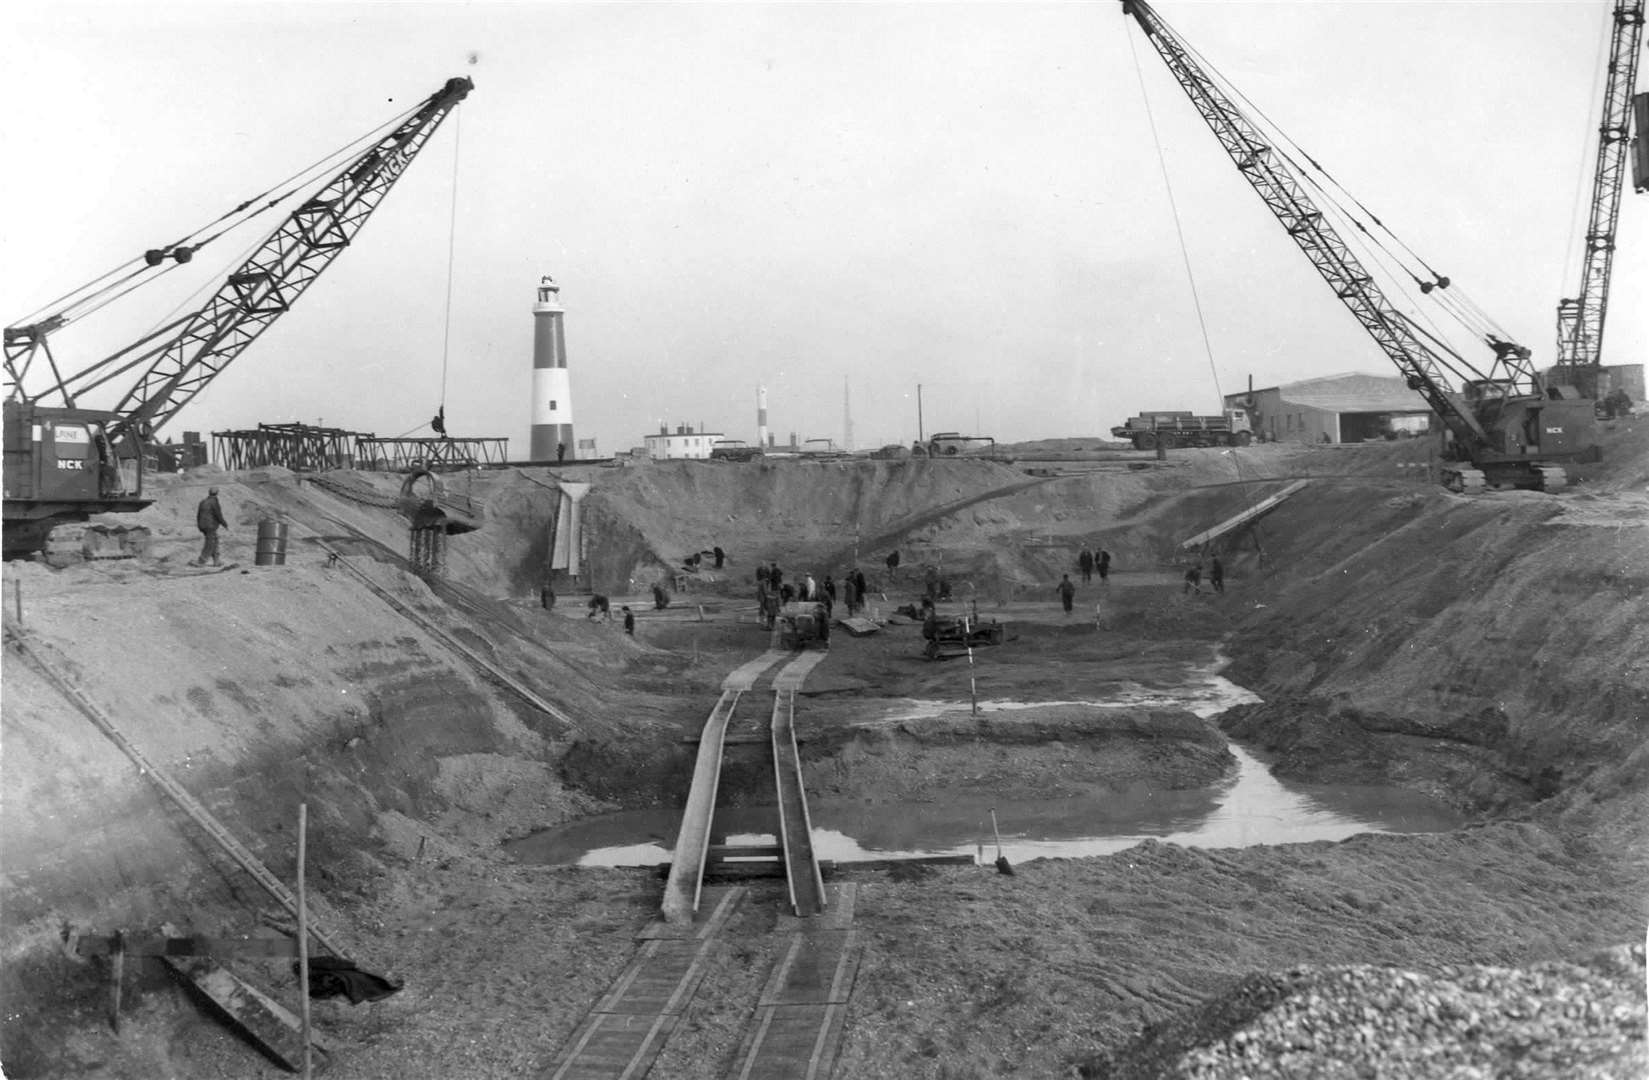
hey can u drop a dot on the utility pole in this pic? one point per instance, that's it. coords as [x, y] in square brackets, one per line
[919, 436]
[847, 416]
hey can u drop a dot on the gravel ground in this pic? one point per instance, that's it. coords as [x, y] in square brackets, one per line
[1549, 1020]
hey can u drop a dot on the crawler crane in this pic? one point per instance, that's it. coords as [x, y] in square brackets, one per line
[65, 462]
[1504, 426]
[1580, 318]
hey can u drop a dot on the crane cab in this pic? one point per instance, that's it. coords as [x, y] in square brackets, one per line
[60, 466]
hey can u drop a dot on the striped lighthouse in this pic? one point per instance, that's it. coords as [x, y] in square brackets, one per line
[552, 404]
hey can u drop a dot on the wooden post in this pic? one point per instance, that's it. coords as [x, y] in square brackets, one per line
[117, 976]
[303, 941]
[973, 686]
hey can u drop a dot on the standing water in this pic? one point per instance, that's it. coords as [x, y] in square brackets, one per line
[1251, 808]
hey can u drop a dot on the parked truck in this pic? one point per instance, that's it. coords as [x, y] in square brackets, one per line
[1149, 430]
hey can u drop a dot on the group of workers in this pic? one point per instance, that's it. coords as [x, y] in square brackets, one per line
[773, 591]
[1216, 577]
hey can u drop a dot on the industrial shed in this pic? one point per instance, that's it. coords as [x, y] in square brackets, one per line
[1336, 408]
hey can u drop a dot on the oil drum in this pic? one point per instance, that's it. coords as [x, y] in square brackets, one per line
[271, 543]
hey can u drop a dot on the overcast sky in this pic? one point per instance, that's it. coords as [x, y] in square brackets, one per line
[809, 196]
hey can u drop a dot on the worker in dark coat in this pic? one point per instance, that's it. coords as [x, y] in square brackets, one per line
[1193, 579]
[1085, 563]
[1216, 575]
[1067, 592]
[860, 585]
[721, 556]
[1103, 565]
[600, 605]
[209, 519]
[660, 599]
[629, 620]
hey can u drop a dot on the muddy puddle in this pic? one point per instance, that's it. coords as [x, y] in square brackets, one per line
[1252, 808]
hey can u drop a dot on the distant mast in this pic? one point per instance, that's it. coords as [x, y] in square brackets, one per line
[552, 401]
[847, 416]
[761, 416]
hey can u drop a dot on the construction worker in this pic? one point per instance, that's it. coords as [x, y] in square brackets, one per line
[209, 519]
[1193, 579]
[600, 605]
[1085, 563]
[1067, 592]
[660, 599]
[1216, 575]
[1103, 565]
[629, 620]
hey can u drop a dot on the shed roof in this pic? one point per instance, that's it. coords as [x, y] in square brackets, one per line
[1351, 392]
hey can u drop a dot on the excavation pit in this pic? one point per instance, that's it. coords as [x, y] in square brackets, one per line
[1406, 642]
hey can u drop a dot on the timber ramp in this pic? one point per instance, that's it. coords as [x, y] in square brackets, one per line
[1252, 514]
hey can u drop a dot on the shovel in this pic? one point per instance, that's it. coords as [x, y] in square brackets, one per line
[1002, 864]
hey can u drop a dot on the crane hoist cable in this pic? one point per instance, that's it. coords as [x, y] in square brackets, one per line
[440, 421]
[1179, 228]
[1433, 284]
[99, 292]
[1185, 252]
[1282, 141]
[1580, 202]
[1335, 208]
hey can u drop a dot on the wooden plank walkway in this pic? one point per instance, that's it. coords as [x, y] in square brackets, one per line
[790, 676]
[745, 675]
[681, 891]
[801, 866]
[797, 1029]
[1264, 506]
[627, 1028]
